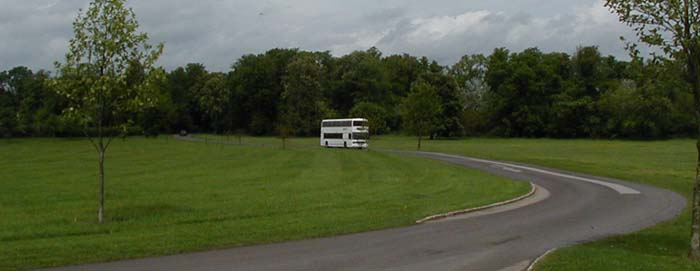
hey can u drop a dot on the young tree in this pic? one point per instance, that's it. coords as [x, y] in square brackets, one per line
[95, 76]
[284, 129]
[421, 111]
[673, 26]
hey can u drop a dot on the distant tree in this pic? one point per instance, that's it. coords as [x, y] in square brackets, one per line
[28, 102]
[165, 116]
[452, 101]
[285, 129]
[402, 71]
[359, 77]
[421, 111]
[576, 103]
[374, 113]
[8, 106]
[94, 77]
[256, 82]
[470, 75]
[213, 97]
[673, 26]
[516, 101]
[302, 104]
[181, 87]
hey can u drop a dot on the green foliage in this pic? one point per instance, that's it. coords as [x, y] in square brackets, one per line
[302, 104]
[27, 105]
[635, 112]
[108, 77]
[257, 84]
[359, 77]
[421, 110]
[95, 77]
[374, 113]
[181, 88]
[520, 94]
[451, 100]
[213, 96]
[522, 88]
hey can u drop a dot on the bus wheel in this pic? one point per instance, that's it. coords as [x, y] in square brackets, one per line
[345, 144]
[326, 144]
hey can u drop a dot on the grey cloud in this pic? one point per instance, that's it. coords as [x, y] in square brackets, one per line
[565, 31]
[385, 15]
[217, 32]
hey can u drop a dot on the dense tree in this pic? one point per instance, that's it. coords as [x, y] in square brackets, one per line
[359, 77]
[302, 105]
[213, 97]
[94, 78]
[374, 113]
[673, 26]
[521, 90]
[520, 94]
[256, 84]
[452, 102]
[470, 75]
[181, 87]
[401, 72]
[421, 111]
[589, 80]
[29, 107]
[8, 105]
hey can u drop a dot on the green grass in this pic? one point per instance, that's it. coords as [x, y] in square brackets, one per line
[669, 164]
[168, 196]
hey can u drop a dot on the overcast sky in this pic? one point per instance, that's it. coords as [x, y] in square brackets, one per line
[35, 33]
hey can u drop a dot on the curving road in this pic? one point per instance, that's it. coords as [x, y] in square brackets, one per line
[577, 208]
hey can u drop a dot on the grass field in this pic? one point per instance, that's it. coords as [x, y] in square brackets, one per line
[668, 164]
[166, 196]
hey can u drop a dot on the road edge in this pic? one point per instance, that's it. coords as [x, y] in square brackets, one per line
[533, 189]
[531, 267]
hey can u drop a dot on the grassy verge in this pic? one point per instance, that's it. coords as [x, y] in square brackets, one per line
[166, 196]
[668, 164]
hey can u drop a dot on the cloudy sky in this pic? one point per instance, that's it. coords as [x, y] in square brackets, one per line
[35, 33]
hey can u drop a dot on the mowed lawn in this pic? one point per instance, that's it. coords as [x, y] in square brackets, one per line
[166, 196]
[669, 164]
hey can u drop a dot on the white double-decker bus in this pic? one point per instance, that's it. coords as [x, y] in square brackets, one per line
[346, 133]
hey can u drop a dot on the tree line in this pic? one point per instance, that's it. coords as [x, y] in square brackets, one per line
[509, 94]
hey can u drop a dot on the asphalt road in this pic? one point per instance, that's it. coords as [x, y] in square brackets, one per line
[577, 208]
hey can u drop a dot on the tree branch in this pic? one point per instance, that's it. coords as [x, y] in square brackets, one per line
[92, 141]
[109, 141]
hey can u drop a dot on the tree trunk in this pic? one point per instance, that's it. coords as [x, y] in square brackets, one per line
[101, 177]
[419, 140]
[695, 213]
[694, 78]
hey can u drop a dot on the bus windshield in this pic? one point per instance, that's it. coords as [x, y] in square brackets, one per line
[359, 123]
[360, 136]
